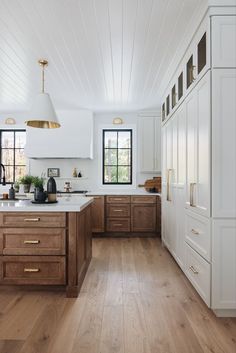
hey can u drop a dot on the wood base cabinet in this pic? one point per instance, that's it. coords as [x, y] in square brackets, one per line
[45, 248]
[132, 215]
[98, 214]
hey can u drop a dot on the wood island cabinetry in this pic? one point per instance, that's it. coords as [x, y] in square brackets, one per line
[45, 248]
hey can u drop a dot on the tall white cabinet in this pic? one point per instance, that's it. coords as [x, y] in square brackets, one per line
[199, 162]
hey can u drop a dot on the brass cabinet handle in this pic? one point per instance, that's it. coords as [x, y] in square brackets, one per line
[118, 224]
[31, 270]
[193, 270]
[31, 241]
[117, 210]
[117, 199]
[168, 198]
[32, 219]
[195, 232]
[191, 202]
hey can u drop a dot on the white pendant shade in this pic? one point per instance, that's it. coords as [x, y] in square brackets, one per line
[42, 114]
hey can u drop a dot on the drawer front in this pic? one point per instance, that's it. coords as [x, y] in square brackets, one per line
[31, 241]
[117, 199]
[118, 210]
[198, 272]
[33, 219]
[198, 234]
[143, 199]
[118, 225]
[32, 270]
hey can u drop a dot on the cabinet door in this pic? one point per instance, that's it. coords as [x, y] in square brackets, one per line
[164, 157]
[223, 41]
[147, 144]
[224, 143]
[198, 147]
[97, 213]
[223, 264]
[143, 218]
[150, 144]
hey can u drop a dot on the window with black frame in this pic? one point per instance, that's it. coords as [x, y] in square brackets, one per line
[12, 156]
[117, 156]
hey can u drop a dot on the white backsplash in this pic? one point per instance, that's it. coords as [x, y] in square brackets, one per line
[90, 169]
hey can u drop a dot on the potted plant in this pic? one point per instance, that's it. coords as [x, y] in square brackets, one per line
[26, 181]
[17, 186]
[39, 194]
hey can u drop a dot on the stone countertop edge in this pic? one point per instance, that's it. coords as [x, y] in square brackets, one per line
[62, 206]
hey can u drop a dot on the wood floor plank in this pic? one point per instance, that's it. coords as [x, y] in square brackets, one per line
[10, 346]
[45, 327]
[112, 335]
[135, 299]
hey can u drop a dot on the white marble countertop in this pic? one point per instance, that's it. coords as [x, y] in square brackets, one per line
[65, 204]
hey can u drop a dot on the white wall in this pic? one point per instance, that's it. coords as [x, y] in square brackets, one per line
[90, 169]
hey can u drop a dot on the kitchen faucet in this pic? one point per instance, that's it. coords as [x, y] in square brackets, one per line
[2, 178]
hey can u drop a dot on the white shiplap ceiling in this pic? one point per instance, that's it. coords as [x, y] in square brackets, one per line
[103, 54]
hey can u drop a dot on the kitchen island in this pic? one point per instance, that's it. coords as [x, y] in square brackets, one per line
[45, 244]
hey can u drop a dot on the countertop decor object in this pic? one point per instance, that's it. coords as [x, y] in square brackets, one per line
[52, 190]
[54, 172]
[42, 114]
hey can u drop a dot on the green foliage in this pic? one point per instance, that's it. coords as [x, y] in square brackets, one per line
[26, 180]
[38, 182]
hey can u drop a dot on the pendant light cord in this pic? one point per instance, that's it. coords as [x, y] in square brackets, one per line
[43, 79]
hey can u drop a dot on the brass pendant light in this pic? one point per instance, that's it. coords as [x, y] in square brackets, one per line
[42, 114]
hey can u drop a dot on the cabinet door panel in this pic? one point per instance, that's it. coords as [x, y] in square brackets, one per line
[203, 146]
[147, 144]
[224, 143]
[223, 41]
[223, 264]
[143, 218]
[191, 115]
[97, 214]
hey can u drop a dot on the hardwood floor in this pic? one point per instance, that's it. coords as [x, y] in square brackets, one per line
[134, 299]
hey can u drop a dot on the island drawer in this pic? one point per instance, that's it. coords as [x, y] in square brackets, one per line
[32, 241]
[33, 219]
[38, 270]
[118, 210]
[117, 199]
[118, 225]
[143, 199]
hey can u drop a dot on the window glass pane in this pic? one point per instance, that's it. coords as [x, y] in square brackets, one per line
[110, 157]
[7, 139]
[110, 139]
[20, 157]
[20, 139]
[9, 174]
[124, 157]
[19, 172]
[110, 174]
[123, 174]
[124, 139]
[7, 157]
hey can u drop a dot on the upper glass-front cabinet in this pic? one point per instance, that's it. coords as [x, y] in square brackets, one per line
[180, 85]
[173, 97]
[201, 54]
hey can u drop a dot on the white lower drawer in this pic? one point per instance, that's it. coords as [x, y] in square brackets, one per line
[198, 272]
[198, 234]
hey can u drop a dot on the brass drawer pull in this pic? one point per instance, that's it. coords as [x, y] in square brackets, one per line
[195, 232]
[191, 202]
[117, 210]
[193, 270]
[118, 224]
[31, 241]
[31, 270]
[32, 219]
[117, 199]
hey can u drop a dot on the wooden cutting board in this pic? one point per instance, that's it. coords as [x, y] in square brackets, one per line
[150, 184]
